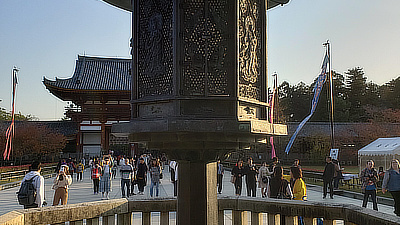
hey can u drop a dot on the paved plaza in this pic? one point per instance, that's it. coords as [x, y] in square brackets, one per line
[82, 191]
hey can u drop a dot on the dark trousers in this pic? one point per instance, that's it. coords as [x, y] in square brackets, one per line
[96, 183]
[141, 184]
[330, 184]
[125, 183]
[396, 198]
[373, 196]
[133, 182]
[238, 186]
[176, 188]
[251, 188]
[219, 182]
[79, 176]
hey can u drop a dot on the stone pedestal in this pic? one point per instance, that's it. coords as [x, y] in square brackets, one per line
[197, 193]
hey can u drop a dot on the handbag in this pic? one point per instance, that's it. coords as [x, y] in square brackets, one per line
[233, 179]
[264, 180]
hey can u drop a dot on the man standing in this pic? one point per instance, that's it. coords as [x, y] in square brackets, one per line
[38, 183]
[251, 177]
[126, 177]
[141, 175]
[220, 174]
[328, 175]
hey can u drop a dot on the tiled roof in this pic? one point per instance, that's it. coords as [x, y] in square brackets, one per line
[67, 128]
[94, 73]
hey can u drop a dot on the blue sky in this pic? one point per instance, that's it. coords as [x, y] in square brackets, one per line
[43, 38]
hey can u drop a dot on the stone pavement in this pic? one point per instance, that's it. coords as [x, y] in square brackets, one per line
[82, 191]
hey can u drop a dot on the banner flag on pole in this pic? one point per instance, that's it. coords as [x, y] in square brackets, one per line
[10, 132]
[317, 90]
[271, 118]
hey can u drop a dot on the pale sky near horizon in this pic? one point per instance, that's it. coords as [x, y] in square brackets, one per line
[44, 38]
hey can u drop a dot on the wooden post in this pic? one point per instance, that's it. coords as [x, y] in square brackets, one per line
[329, 222]
[221, 217]
[146, 218]
[239, 217]
[125, 218]
[274, 219]
[292, 220]
[93, 221]
[78, 222]
[164, 218]
[256, 218]
[109, 220]
[310, 221]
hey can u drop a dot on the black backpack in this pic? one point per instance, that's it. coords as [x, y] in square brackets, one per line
[27, 192]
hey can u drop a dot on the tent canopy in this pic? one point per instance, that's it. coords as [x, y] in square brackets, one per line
[382, 146]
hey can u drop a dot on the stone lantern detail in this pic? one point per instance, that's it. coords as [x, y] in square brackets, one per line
[199, 88]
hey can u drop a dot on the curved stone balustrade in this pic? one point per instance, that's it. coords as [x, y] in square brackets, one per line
[276, 210]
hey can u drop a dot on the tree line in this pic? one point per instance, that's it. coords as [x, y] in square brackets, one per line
[355, 100]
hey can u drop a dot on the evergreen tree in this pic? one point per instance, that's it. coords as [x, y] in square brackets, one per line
[356, 91]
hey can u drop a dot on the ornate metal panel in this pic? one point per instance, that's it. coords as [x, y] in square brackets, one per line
[250, 49]
[205, 42]
[155, 48]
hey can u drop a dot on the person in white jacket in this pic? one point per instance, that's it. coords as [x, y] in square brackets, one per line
[38, 182]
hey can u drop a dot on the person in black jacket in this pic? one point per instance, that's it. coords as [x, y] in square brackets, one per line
[328, 175]
[251, 177]
[141, 175]
[237, 172]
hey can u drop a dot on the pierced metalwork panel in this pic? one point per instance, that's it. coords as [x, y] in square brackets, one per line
[250, 49]
[155, 48]
[205, 40]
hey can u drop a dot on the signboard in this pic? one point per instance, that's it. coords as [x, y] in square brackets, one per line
[334, 153]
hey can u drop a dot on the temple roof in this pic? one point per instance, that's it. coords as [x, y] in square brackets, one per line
[92, 73]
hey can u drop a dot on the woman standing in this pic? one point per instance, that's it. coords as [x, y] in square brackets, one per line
[155, 171]
[60, 185]
[279, 187]
[299, 187]
[105, 179]
[263, 177]
[391, 182]
[369, 177]
[237, 173]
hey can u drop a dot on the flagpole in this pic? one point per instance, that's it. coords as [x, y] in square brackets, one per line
[328, 50]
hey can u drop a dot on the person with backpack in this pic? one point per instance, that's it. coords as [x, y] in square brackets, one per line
[60, 185]
[79, 171]
[95, 175]
[31, 192]
[278, 187]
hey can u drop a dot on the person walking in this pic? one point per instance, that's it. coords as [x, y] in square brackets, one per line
[220, 175]
[95, 174]
[338, 174]
[251, 177]
[327, 176]
[263, 178]
[141, 175]
[79, 171]
[105, 179]
[237, 173]
[126, 171]
[279, 187]
[155, 172]
[369, 177]
[272, 166]
[391, 183]
[60, 185]
[38, 183]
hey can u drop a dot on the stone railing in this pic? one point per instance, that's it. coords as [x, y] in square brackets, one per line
[243, 210]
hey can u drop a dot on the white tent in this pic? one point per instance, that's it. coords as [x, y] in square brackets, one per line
[382, 151]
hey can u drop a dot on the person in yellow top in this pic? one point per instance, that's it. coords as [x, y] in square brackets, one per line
[299, 187]
[79, 171]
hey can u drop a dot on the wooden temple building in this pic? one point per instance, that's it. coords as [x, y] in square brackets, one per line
[99, 92]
